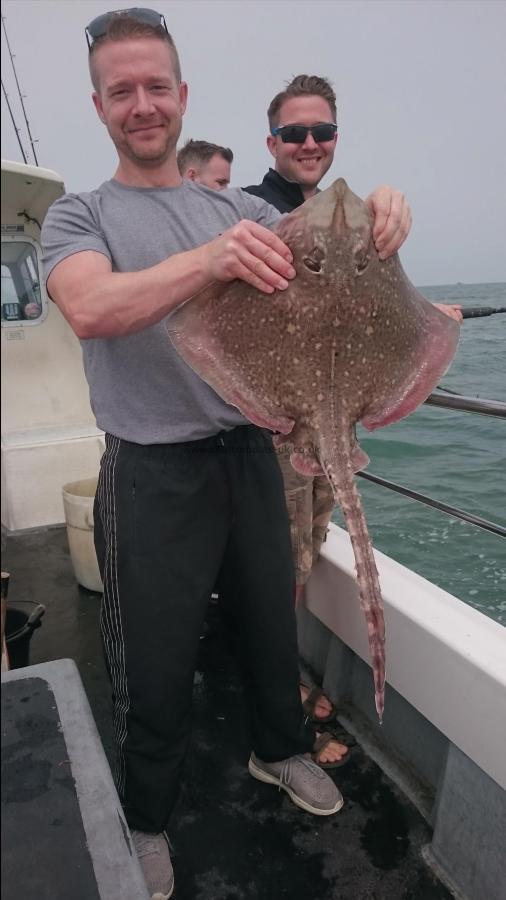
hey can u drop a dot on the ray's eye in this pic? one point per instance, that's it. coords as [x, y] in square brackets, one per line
[361, 263]
[314, 261]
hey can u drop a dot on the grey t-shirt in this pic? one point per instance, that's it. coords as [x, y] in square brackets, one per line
[140, 389]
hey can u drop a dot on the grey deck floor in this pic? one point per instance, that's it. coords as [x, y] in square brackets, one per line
[234, 838]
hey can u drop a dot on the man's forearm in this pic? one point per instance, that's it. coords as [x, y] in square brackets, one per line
[99, 303]
[114, 304]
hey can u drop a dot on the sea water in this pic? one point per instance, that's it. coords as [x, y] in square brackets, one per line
[456, 457]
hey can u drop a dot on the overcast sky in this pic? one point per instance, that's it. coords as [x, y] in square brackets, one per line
[421, 103]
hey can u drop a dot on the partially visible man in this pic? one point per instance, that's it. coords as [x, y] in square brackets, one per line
[302, 139]
[205, 163]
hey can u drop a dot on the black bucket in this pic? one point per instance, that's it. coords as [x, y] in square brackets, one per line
[19, 627]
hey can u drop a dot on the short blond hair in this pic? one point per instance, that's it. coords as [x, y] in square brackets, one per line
[122, 27]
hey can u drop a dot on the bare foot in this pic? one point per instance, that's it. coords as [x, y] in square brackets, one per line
[334, 751]
[323, 707]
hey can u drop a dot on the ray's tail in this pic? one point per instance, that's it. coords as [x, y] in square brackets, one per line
[348, 497]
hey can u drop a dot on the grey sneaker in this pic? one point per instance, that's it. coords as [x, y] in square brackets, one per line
[304, 782]
[154, 857]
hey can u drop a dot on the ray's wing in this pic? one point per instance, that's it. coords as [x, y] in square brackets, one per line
[207, 332]
[430, 358]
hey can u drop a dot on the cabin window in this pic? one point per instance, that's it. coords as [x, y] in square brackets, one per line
[23, 299]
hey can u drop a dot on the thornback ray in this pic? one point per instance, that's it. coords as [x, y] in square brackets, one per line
[350, 340]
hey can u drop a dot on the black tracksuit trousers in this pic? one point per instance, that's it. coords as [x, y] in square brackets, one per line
[171, 522]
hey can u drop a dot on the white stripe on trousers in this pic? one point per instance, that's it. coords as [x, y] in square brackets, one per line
[110, 618]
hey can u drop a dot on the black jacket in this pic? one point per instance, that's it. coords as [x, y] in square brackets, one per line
[284, 195]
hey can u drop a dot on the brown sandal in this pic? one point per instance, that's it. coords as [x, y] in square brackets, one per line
[309, 706]
[320, 743]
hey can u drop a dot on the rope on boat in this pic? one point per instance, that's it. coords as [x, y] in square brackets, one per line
[466, 404]
[470, 404]
[448, 399]
[472, 312]
[478, 521]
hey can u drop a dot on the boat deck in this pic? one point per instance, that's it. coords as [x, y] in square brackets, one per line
[234, 838]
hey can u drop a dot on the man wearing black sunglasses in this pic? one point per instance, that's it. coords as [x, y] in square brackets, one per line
[302, 139]
[189, 491]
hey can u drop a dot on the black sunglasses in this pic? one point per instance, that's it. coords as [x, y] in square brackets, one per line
[98, 27]
[297, 134]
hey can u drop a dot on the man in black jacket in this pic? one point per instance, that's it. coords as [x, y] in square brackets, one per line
[302, 140]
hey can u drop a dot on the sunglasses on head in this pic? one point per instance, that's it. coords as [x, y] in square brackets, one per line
[98, 27]
[297, 134]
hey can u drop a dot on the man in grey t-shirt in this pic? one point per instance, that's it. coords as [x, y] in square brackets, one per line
[189, 492]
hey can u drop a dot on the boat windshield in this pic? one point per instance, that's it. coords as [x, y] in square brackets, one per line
[21, 293]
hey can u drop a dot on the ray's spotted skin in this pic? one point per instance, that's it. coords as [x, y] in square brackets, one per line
[350, 340]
